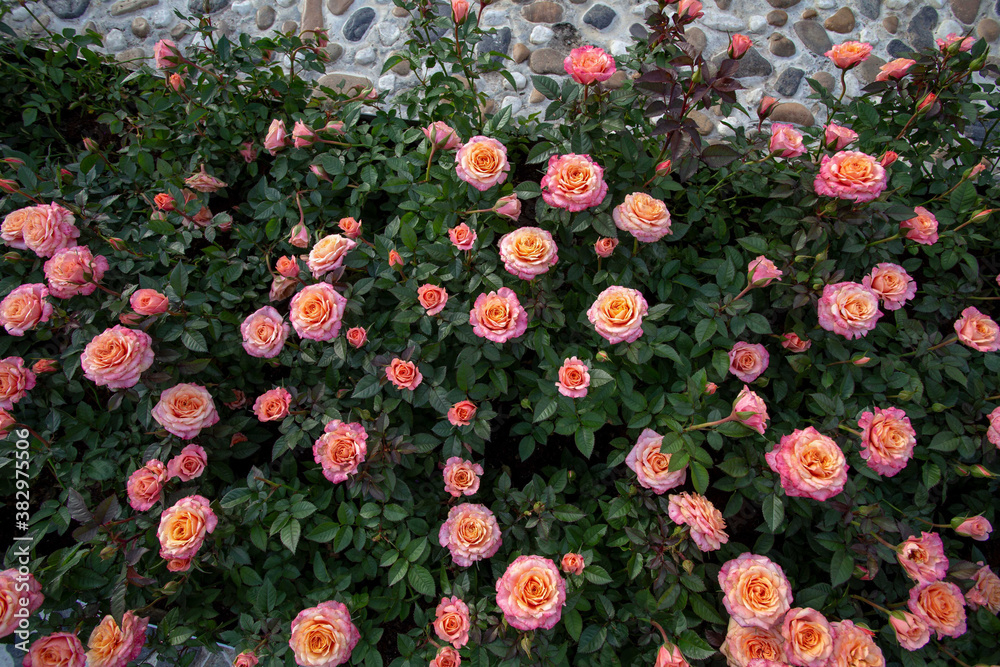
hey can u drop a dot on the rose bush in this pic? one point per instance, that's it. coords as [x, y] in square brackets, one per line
[421, 384]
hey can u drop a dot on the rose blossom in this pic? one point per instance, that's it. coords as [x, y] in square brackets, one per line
[748, 401]
[264, 333]
[923, 558]
[15, 382]
[745, 646]
[810, 464]
[850, 175]
[356, 336]
[299, 236]
[459, 10]
[986, 591]
[188, 464]
[941, 606]
[617, 314]
[73, 271]
[341, 448]
[183, 528]
[164, 202]
[978, 331]
[748, 361]
[849, 54]
[670, 656]
[166, 54]
[442, 136]
[403, 374]
[605, 246]
[895, 69]
[13, 223]
[755, 590]
[44, 366]
[853, 646]
[47, 228]
[202, 181]
[462, 413]
[572, 563]
[461, 477]
[528, 252]
[446, 656]
[911, 632]
[350, 227]
[246, 659]
[508, 207]
[761, 272]
[573, 182]
[708, 528]
[328, 254]
[7, 422]
[248, 152]
[20, 596]
[317, 312]
[589, 64]
[451, 622]
[323, 636]
[394, 258]
[892, 283]
[498, 316]
[471, 533]
[836, 137]
[793, 343]
[531, 593]
[574, 378]
[60, 649]
[432, 298]
[643, 217]
[185, 409]
[785, 141]
[113, 646]
[145, 484]
[302, 135]
[462, 237]
[651, 465]
[272, 405]
[848, 309]
[976, 527]
[277, 137]
[738, 46]
[149, 302]
[25, 308]
[808, 637]
[287, 267]
[482, 162]
[922, 228]
[117, 357]
[887, 440]
[965, 43]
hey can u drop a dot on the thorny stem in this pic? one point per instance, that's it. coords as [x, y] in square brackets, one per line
[698, 427]
[950, 654]
[430, 156]
[885, 240]
[933, 347]
[849, 430]
[33, 432]
[879, 607]
[735, 299]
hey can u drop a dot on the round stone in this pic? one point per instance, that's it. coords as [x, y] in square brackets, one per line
[542, 11]
[826, 80]
[696, 38]
[949, 27]
[340, 7]
[520, 53]
[114, 41]
[334, 51]
[546, 61]
[244, 8]
[777, 17]
[541, 34]
[358, 24]
[891, 24]
[988, 29]
[365, 56]
[780, 45]
[265, 17]
[756, 23]
[965, 10]
[921, 28]
[513, 102]
[140, 27]
[618, 48]
[826, 4]
[493, 16]
[842, 22]
[289, 26]
[388, 33]
[535, 97]
[813, 36]
[599, 16]
[793, 112]
[400, 12]
[206, 6]
[616, 81]
[161, 18]
[402, 68]
[386, 83]
[788, 82]
[809, 14]
[19, 14]
[67, 9]
[782, 4]
[704, 123]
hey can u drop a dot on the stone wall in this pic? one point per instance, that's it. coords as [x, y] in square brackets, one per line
[790, 36]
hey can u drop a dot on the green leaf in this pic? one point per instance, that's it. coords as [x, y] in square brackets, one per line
[544, 409]
[699, 477]
[574, 623]
[964, 197]
[393, 512]
[290, 533]
[758, 323]
[596, 574]
[194, 341]
[398, 571]
[568, 513]
[585, 441]
[546, 86]
[367, 387]
[704, 610]
[841, 567]
[717, 156]
[693, 646]
[421, 580]
[773, 509]
[592, 638]
[704, 330]
[324, 532]
[466, 376]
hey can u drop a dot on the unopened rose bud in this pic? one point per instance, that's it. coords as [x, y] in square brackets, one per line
[13, 160]
[12, 256]
[176, 82]
[319, 172]
[711, 388]
[738, 46]
[978, 470]
[300, 236]
[937, 407]
[130, 319]
[287, 267]
[248, 152]
[508, 207]
[861, 361]
[905, 395]
[978, 169]
[237, 439]
[117, 243]
[66, 175]
[602, 356]
[663, 169]
[688, 566]
[766, 106]
[334, 126]
[44, 366]
[888, 158]
[927, 102]
[8, 185]
[978, 63]
[302, 135]
[91, 145]
[171, 587]
[861, 572]
[459, 10]
[394, 258]
[108, 552]
[980, 216]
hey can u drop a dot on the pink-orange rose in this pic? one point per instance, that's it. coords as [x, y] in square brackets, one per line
[808, 637]
[328, 254]
[643, 217]
[923, 228]
[854, 647]
[317, 312]
[923, 558]
[976, 527]
[941, 606]
[113, 646]
[755, 590]
[482, 162]
[350, 227]
[574, 378]
[508, 207]
[761, 272]
[461, 477]
[985, 592]
[60, 649]
[605, 246]
[442, 136]
[166, 54]
[793, 343]
[573, 182]
[470, 533]
[20, 596]
[246, 659]
[708, 528]
[403, 374]
[15, 382]
[748, 361]
[850, 175]
[462, 237]
[117, 357]
[451, 622]
[978, 331]
[202, 181]
[446, 656]
[183, 528]
[745, 646]
[528, 252]
[432, 297]
[837, 137]
[892, 283]
[887, 440]
[670, 657]
[786, 141]
[341, 449]
[185, 409]
[264, 333]
[810, 464]
[149, 302]
[356, 336]
[272, 405]
[145, 484]
[25, 308]
[849, 54]
[302, 135]
[755, 410]
[189, 464]
[589, 64]
[651, 466]
[617, 314]
[287, 267]
[895, 69]
[463, 412]
[73, 271]
[911, 633]
[498, 316]
[572, 563]
[848, 309]
[531, 593]
[738, 46]
[48, 228]
[277, 137]
[323, 636]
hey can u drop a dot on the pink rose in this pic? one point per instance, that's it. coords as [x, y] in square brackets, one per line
[888, 158]
[113, 646]
[73, 271]
[672, 656]
[849, 54]
[459, 10]
[690, 9]
[498, 316]
[20, 596]
[892, 284]
[531, 593]
[302, 135]
[272, 405]
[328, 254]
[463, 412]
[748, 401]
[276, 138]
[895, 69]
[15, 382]
[7, 422]
[711, 388]
[183, 528]
[850, 175]
[605, 246]
[793, 343]
[48, 228]
[25, 308]
[572, 563]
[651, 466]
[786, 141]
[589, 64]
[708, 528]
[755, 591]
[185, 409]
[837, 137]
[432, 298]
[964, 43]
[446, 657]
[317, 312]
[810, 464]
[471, 533]
[394, 258]
[341, 449]
[508, 207]
[299, 236]
[323, 636]
[482, 162]
[941, 606]
[748, 361]
[922, 228]
[442, 136]
[643, 217]
[356, 336]
[738, 46]
[985, 592]
[887, 440]
[60, 649]
[264, 333]
[853, 645]
[808, 637]
[911, 632]
[166, 54]
[574, 378]
[403, 374]
[117, 357]
[978, 331]
[462, 237]
[248, 152]
[451, 622]
[745, 646]
[203, 182]
[189, 464]
[923, 558]
[528, 252]
[13, 223]
[617, 314]
[762, 271]
[848, 309]
[573, 182]
[350, 227]
[246, 659]
[149, 302]
[287, 267]
[766, 107]
[976, 527]
[461, 477]
[145, 484]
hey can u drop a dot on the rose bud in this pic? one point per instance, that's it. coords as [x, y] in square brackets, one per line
[459, 10]
[766, 106]
[287, 267]
[602, 356]
[44, 366]
[689, 10]
[66, 175]
[926, 103]
[738, 46]
[320, 173]
[663, 168]
[861, 361]
[300, 236]
[13, 160]
[176, 81]
[91, 145]
[605, 246]
[395, 259]
[508, 207]
[302, 135]
[888, 158]
[334, 126]
[8, 185]
[117, 243]
[711, 388]
[164, 201]
[248, 152]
